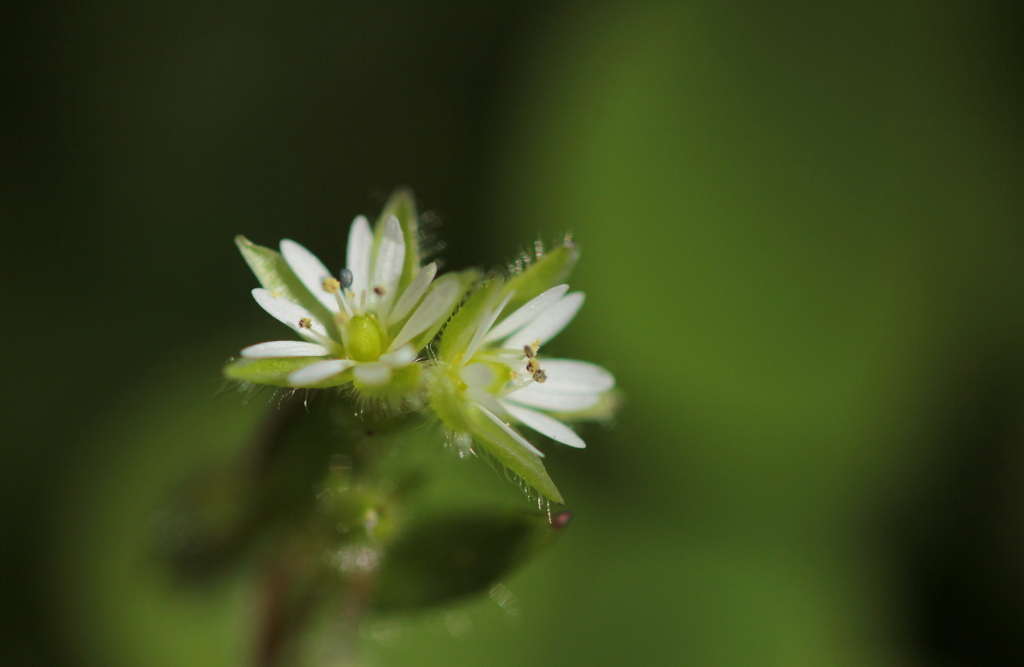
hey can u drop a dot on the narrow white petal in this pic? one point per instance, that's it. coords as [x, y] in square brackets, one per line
[553, 402]
[412, 294]
[310, 270]
[401, 357]
[390, 260]
[438, 303]
[374, 373]
[483, 327]
[568, 376]
[526, 313]
[287, 311]
[511, 431]
[358, 255]
[477, 375]
[319, 371]
[545, 425]
[284, 348]
[548, 324]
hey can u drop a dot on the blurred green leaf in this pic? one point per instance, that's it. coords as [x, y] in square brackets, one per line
[442, 559]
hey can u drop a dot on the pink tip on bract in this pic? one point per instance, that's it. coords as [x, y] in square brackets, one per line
[560, 520]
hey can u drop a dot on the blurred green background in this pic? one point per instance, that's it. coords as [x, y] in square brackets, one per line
[802, 240]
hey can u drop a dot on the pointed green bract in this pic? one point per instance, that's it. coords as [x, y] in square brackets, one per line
[402, 205]
[275, 372]
[550, 270]
[439, 560]
[276, 276]
[511, 454]
[463, 324]
[466, 279]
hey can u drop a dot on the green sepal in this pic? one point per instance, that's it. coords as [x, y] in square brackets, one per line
[447, 404]
[550, 270]
[402, 205]
[405, 380]
[275, 372]
[511, 454]
[459, 332]
[466, 280]
[276, 276]
[439, 560]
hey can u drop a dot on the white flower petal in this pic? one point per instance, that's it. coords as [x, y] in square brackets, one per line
[545, 425]
[483, 327]
[358, 255]
[284, 348]
[388, 265]
[511, 431]
[553, 402]
[569, 376]
[310, 270]
[319, 371]
[374, 373]
[416, 289]
[403, 356]
[549, 323]
[526, 313]
[477, 375]
[438, 303]
[287, 311]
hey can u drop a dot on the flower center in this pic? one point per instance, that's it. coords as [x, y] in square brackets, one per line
[365, 337]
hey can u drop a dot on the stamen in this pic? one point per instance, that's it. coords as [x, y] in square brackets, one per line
[332, 286]
[379, 290]
[345, 278]
[307, 324]
[539, 376]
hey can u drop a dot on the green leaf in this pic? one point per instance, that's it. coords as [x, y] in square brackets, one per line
[550, 270]
[442, 559]
[402, 205]
[511, 454]
[275, 275]
[461, 327]
[275, 372]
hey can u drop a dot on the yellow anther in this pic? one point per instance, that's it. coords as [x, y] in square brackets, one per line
[305, 323]
[331, 285]
[379, 290]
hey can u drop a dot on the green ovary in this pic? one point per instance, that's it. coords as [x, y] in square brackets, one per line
[365, 338]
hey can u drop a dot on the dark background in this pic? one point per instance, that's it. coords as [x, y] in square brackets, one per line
[802, 244]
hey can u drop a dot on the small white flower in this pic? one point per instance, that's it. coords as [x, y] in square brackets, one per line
[372, 319]
[500, 374]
